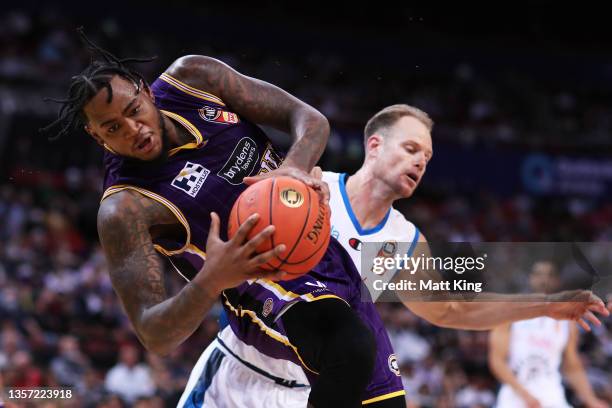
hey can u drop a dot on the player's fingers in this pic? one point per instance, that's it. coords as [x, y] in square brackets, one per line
[264, 257]
[584, 325]
[591, 318]
[251, 245]
[273, 275]
[324, 189]
[278, 251]
[316, 173]
[213, 230]
[321, 188]
[253, 179]
[245, 228]
[598, 306]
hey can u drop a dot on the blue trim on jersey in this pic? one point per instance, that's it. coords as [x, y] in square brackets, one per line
[413, 245]
[223, 320]
[414, 242]
[351, 214]
[196, 397]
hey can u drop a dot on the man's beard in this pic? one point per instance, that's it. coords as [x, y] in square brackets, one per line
[163, 154]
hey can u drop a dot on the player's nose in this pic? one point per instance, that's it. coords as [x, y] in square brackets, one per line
[420, 161]
[133, 127]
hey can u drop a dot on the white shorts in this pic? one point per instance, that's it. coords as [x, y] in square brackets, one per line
[221, 380]
[549, 397]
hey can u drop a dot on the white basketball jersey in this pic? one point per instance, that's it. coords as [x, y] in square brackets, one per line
[535, 355]
[396, 234]
[394, 230]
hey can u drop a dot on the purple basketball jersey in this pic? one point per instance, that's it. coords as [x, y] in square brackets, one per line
[206, 175]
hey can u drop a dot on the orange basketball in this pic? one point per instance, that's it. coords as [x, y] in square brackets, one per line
[301, 221]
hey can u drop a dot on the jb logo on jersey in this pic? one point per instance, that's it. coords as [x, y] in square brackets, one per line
[216, 115]
[191, 179]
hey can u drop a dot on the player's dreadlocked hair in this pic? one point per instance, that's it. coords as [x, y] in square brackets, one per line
[87, 84]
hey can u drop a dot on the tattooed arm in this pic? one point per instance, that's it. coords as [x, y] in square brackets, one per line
[260, 102]
[162, 323]
[265, 104]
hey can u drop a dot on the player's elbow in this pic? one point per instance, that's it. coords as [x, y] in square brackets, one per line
[310, 118]
[321, 121]
[155, 346]
[151, 339]
[160, 351]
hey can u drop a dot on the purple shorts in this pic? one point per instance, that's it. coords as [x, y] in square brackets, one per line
[254, 310]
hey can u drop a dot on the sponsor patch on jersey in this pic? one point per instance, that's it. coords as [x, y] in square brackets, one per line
[217, 115]
[394, 365]
[355, 244]
[291, 198]
[241, 162]
[319, 284]
[387, 250]
[267, 307]
[270, 160]
[191, 179]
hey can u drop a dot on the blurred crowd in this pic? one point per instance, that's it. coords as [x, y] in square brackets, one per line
[61, 324]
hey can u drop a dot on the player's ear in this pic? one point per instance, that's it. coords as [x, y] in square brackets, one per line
[373, 145]
[147, 90]
[93, 134]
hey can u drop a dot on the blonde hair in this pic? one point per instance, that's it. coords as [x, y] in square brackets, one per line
[387, 117]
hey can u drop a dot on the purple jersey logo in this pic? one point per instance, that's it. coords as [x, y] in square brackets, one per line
[242, 161]
[191, 178]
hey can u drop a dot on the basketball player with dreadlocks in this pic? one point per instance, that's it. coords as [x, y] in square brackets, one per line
[177, 154]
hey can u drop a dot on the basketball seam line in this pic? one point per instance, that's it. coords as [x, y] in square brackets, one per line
[274, 268]
[313, 254]
[299, 238]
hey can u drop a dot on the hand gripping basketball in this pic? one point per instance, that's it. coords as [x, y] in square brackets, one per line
[228, 264]
[300, 218]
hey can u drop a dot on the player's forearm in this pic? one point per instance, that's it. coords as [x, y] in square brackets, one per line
[485, 315]
[489, 311]
[504, 375]
[164, 326]
[577, 379]
[310, 130]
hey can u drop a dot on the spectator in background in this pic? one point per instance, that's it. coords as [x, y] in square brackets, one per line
[70, 365]
[92, 388]
[130, 379]
[527, 356]
[515, 110]
[22, 372]
[477, 393]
